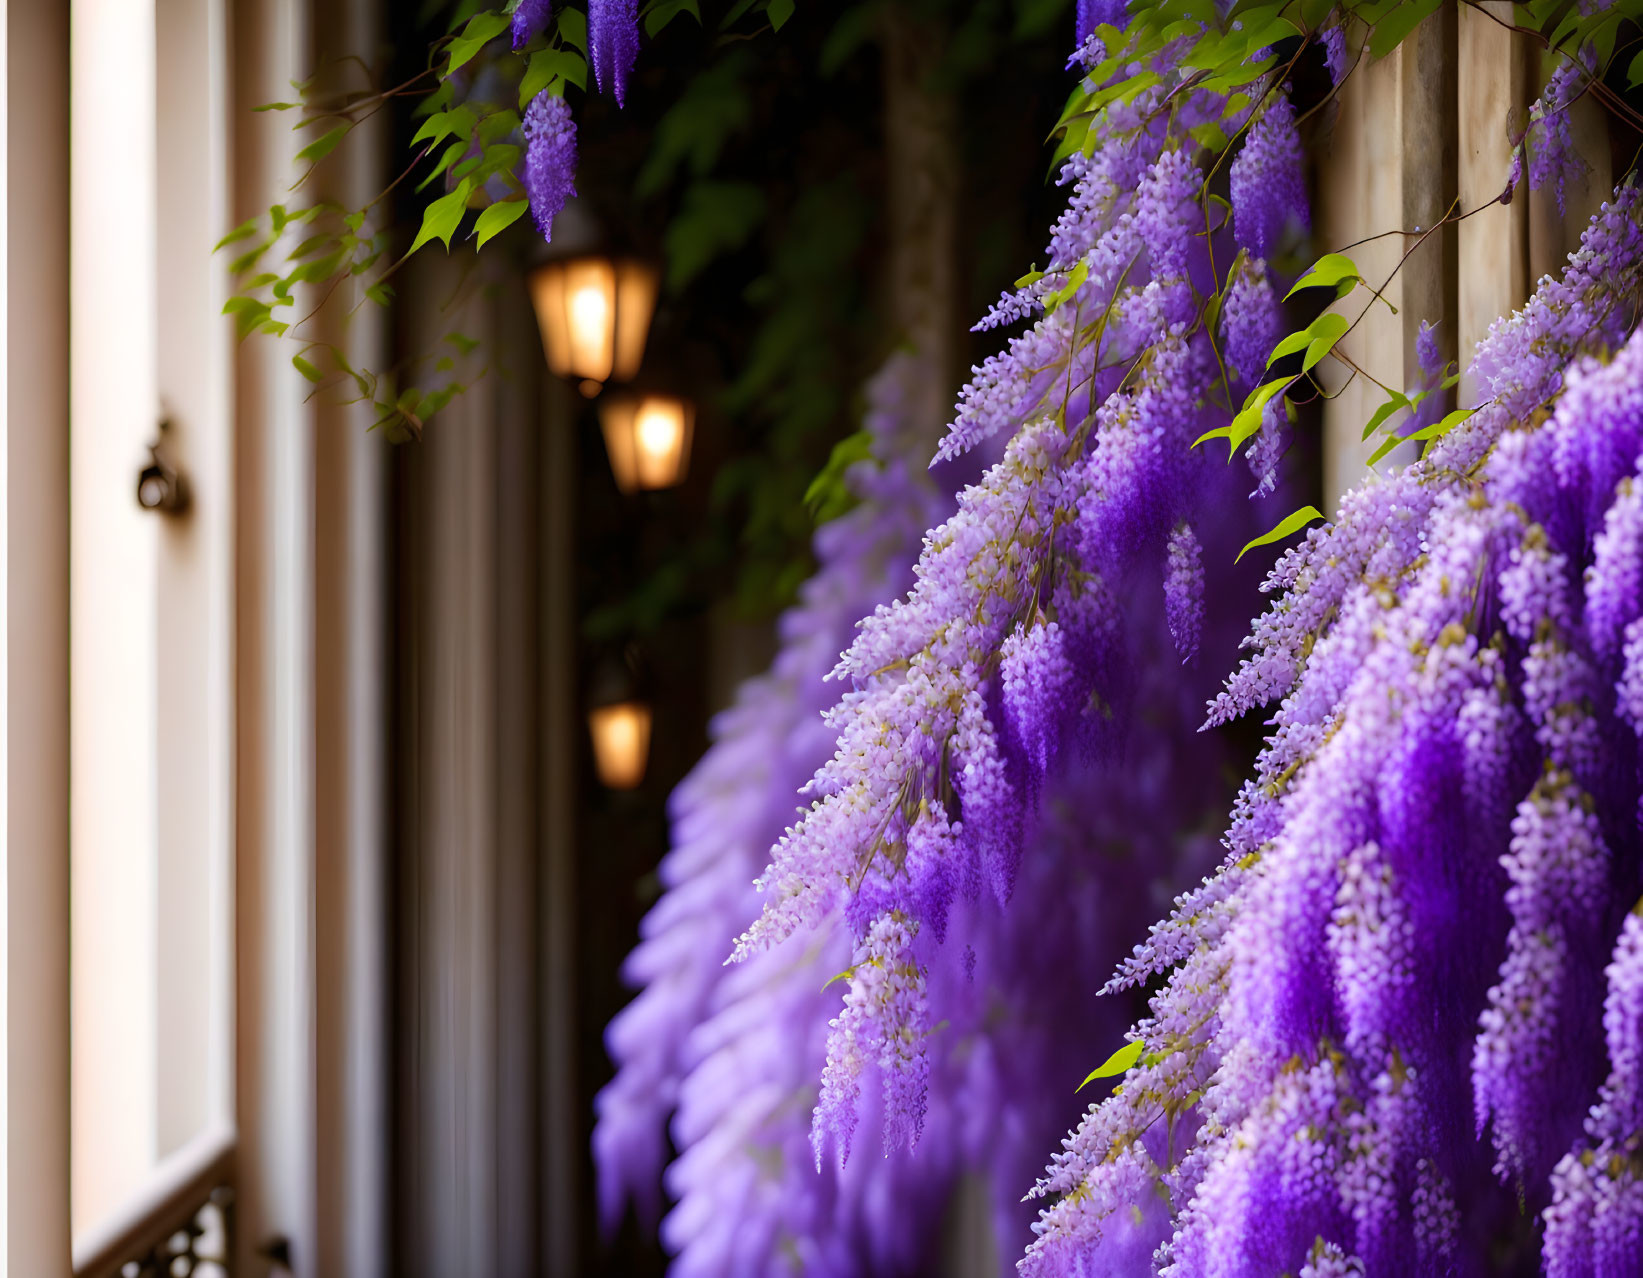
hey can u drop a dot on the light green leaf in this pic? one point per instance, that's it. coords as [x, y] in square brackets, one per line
[496, 218]
[1075, 281]
[459, 120]
[443, 216]
[1326, 330]
[1396, 401]
[1118, 1063]
[544, 65]
[381, 294]
[323, 145]
[242, 231]
[1248, 420]
[1438, 429]
[276, 106]
[306, 369]
[1390, 31]
[573, 27]
[1290, 524]
[482, 28]
[1294, 342]
[1332, 270]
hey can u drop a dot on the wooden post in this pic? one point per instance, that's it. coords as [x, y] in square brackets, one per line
[1389, 167]
[1493, 244]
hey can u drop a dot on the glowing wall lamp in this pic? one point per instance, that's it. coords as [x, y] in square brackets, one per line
[648, 439]
[594, 313]
[621, 743]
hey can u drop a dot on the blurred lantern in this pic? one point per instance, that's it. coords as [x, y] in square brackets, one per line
[595, 314]
[648, 439]
[621, 743]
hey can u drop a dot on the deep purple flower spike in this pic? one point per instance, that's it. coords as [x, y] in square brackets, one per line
[613, 44]
[550, 158]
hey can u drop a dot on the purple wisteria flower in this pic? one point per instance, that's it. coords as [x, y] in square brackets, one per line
[1378, 1027]
[1009, 660]
[1553, 158]
[550, 158]
[1268, 183]
[613, 44]
[1334, 41]
[529, 20]
[736, 1052]
[1091, 14]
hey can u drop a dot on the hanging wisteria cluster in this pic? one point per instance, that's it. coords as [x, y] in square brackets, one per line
[1012, 651]
[1380, 1030]
[736, 1052]
[1398, 1031]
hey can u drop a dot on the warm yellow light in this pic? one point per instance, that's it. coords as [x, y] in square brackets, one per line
[595, 315]
[621, 743]
[648, 440]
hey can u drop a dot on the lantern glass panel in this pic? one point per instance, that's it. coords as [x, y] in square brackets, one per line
[621, 743]
[595, 316]
[648, 440]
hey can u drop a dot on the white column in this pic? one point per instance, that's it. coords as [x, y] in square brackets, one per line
[113, 638]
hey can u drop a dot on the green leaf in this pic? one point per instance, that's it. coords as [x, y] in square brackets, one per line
[482, 28]
[1438, 429]
[323, 145]
[1326, 330]
[573, 27]
[1397, 400]
[381, 294]
[1118, 1063]
[1294, 342]
[459, 120]
[276, 106]
[779, 11]
[1248, 420]
[1390, 31]
[1075, 281]
[828, 496]
[309, 245]
[544, 65]
[443, 216]
[1289, 524]
[1330, 271]
[496, 218]
[658, 15]
[1209, 135]
[1634, 72]
[306, 369]
[245, 261]
[240, 232]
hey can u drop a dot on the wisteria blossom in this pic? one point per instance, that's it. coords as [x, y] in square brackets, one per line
[613, 44]
[550, 158]
[737, 1053]
[1376, 1031]
[1008, 657]
[529, 19]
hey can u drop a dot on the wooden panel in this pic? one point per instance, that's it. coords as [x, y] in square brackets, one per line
[1494, 243]
[1361, 194]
